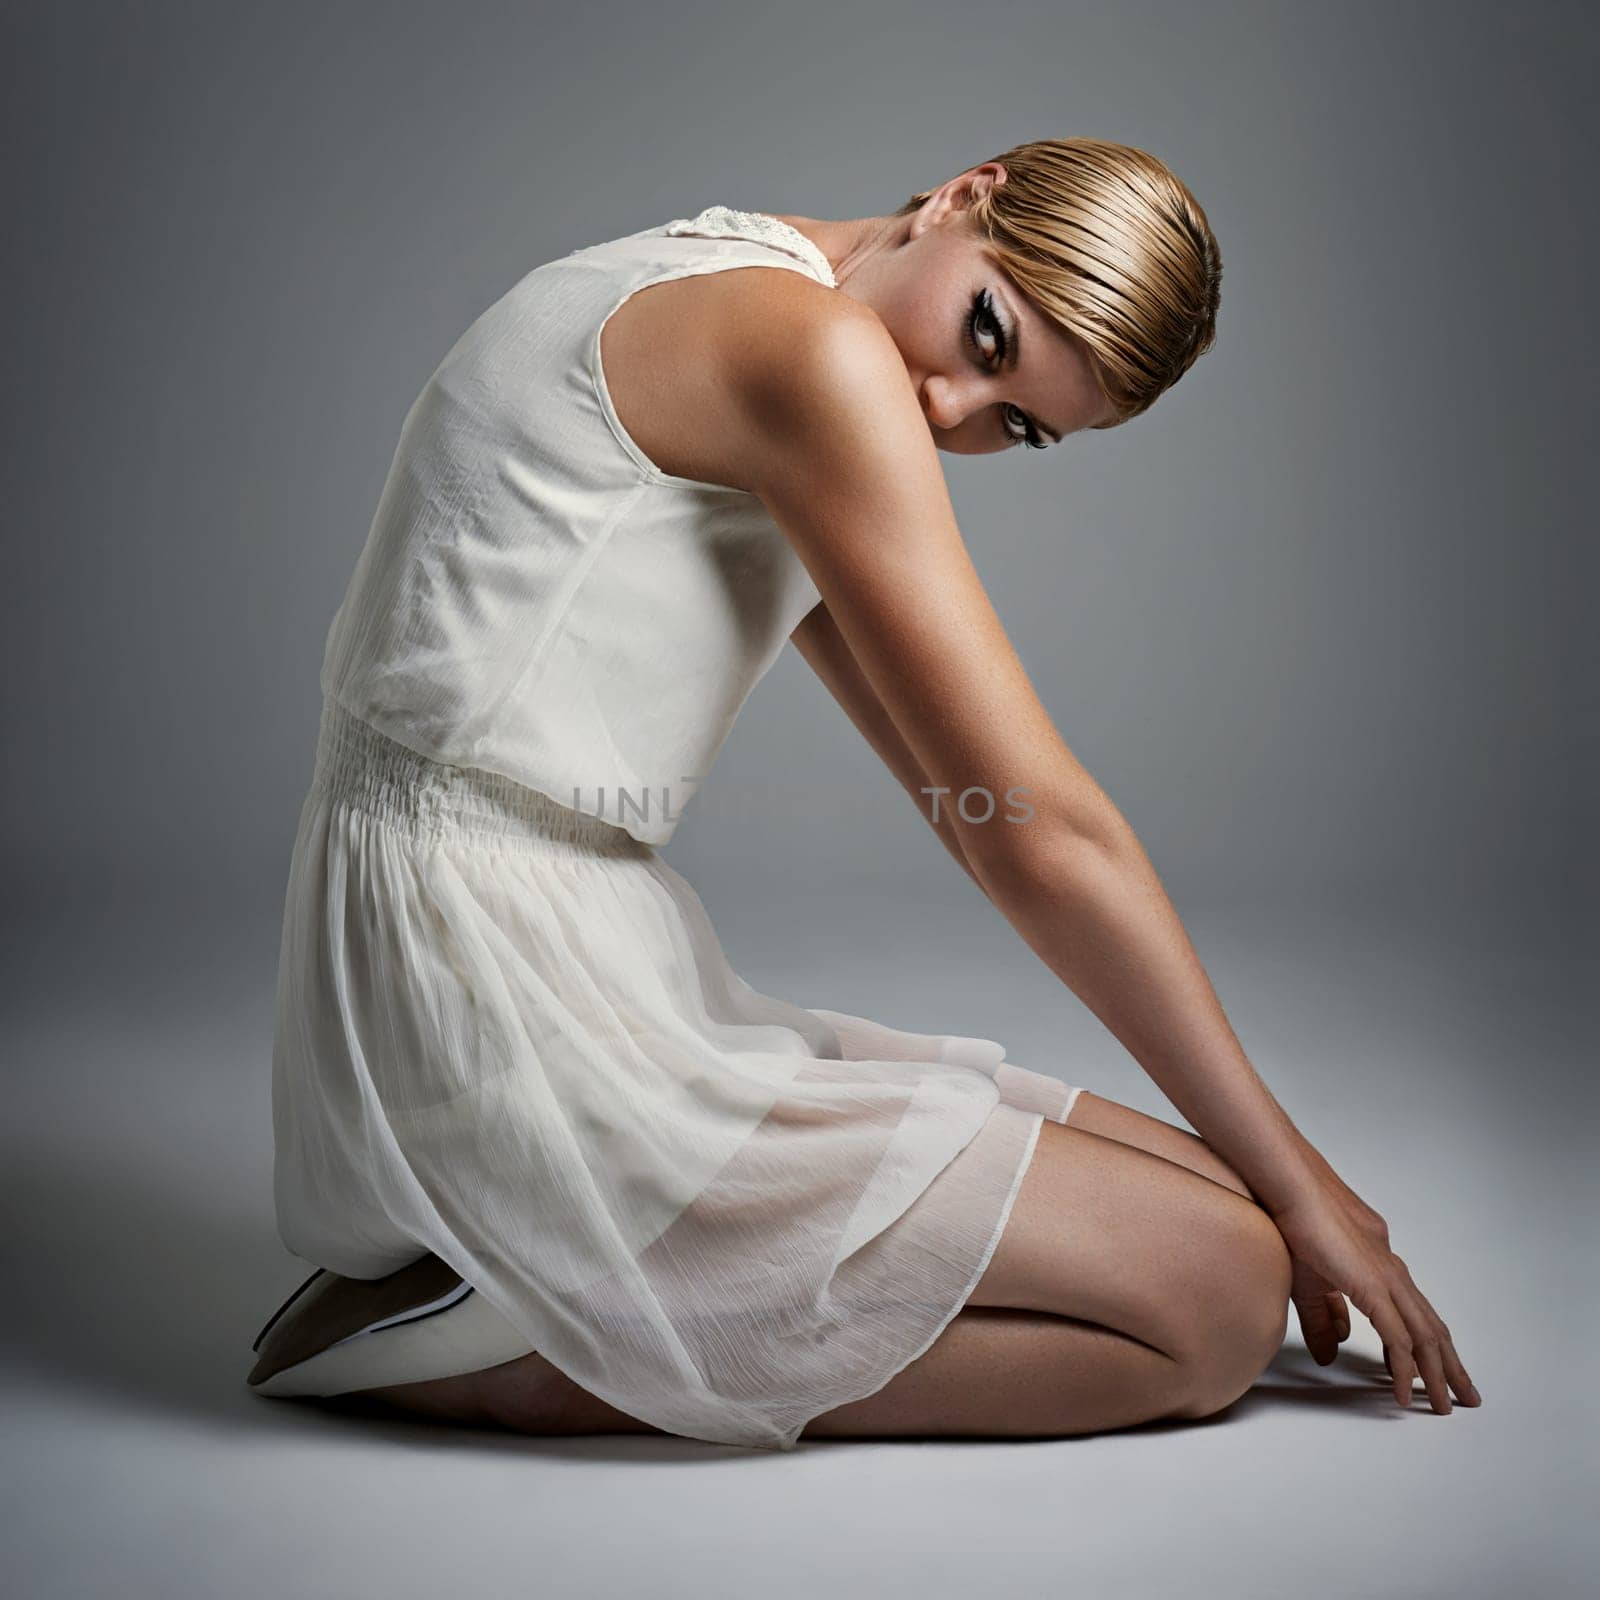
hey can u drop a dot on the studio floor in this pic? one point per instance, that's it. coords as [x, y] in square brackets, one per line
[1438, 1065]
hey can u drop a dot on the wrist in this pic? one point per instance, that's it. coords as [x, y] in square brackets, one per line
[1301, 1177]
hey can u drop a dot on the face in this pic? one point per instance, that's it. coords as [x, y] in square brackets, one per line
[991, 371]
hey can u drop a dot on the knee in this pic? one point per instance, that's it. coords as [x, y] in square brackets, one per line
[1241, 1329]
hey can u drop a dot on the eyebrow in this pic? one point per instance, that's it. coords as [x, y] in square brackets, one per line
[1014, 356]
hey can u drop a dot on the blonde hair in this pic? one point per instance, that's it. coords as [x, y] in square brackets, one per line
[1110, 246]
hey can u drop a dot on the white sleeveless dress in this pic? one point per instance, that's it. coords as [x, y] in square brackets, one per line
[506, 1032]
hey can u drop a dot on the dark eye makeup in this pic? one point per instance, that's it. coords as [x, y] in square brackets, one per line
[982, 314]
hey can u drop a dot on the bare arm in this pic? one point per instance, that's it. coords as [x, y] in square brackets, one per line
[839, 451]
[818, 418]
[822, 645]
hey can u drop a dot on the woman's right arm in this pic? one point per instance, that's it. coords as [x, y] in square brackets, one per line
[834, 441]
[820, 643]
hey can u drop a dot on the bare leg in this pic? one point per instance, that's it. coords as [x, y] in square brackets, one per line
[984, 1376]
[1000, 1370]
[1127, 1286]
[999, 1373]
[1113, 1120]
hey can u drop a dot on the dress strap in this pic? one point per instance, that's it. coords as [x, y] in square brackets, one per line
[724, 222]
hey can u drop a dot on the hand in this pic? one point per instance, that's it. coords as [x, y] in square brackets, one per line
[1339, 1243]
[1324, 1315]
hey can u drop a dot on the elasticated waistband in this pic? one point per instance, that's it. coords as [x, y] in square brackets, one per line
[364, 768]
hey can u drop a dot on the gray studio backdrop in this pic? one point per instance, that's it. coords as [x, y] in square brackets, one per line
[1312, 622]
[1303, 620]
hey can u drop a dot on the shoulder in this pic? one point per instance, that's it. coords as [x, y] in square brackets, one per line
[815, 381]
[735, 376]
[804, 345]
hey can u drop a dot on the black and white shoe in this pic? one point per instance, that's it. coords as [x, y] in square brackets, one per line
[336, 1335]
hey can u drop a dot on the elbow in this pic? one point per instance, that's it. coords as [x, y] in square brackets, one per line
[1011, 858]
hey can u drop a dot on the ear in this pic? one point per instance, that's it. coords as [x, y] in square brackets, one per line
[985, 179]
[998, 169]
[960, 193]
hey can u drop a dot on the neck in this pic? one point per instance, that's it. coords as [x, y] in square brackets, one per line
[847, 243]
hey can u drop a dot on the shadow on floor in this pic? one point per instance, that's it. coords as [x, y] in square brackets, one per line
[142, 1295]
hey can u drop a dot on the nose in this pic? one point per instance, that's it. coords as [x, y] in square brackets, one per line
[940, 405]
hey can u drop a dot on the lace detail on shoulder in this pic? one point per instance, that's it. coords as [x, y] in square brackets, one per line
[723, 222]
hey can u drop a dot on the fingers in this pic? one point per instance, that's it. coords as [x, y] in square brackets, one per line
[1425, 1354]
[1417, 1344]
[1341, 1314]
[1324, 1315]
[1466, 1390]
[1318, 1327]
[1396, 1345]
[1440, 1354]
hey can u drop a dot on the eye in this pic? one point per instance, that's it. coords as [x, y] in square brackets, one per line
[1029, 434]
[981, 320]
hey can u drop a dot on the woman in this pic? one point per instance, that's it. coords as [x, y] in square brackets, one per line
[560, 1168]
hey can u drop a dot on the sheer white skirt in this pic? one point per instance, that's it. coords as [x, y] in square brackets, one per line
[506, 1033]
